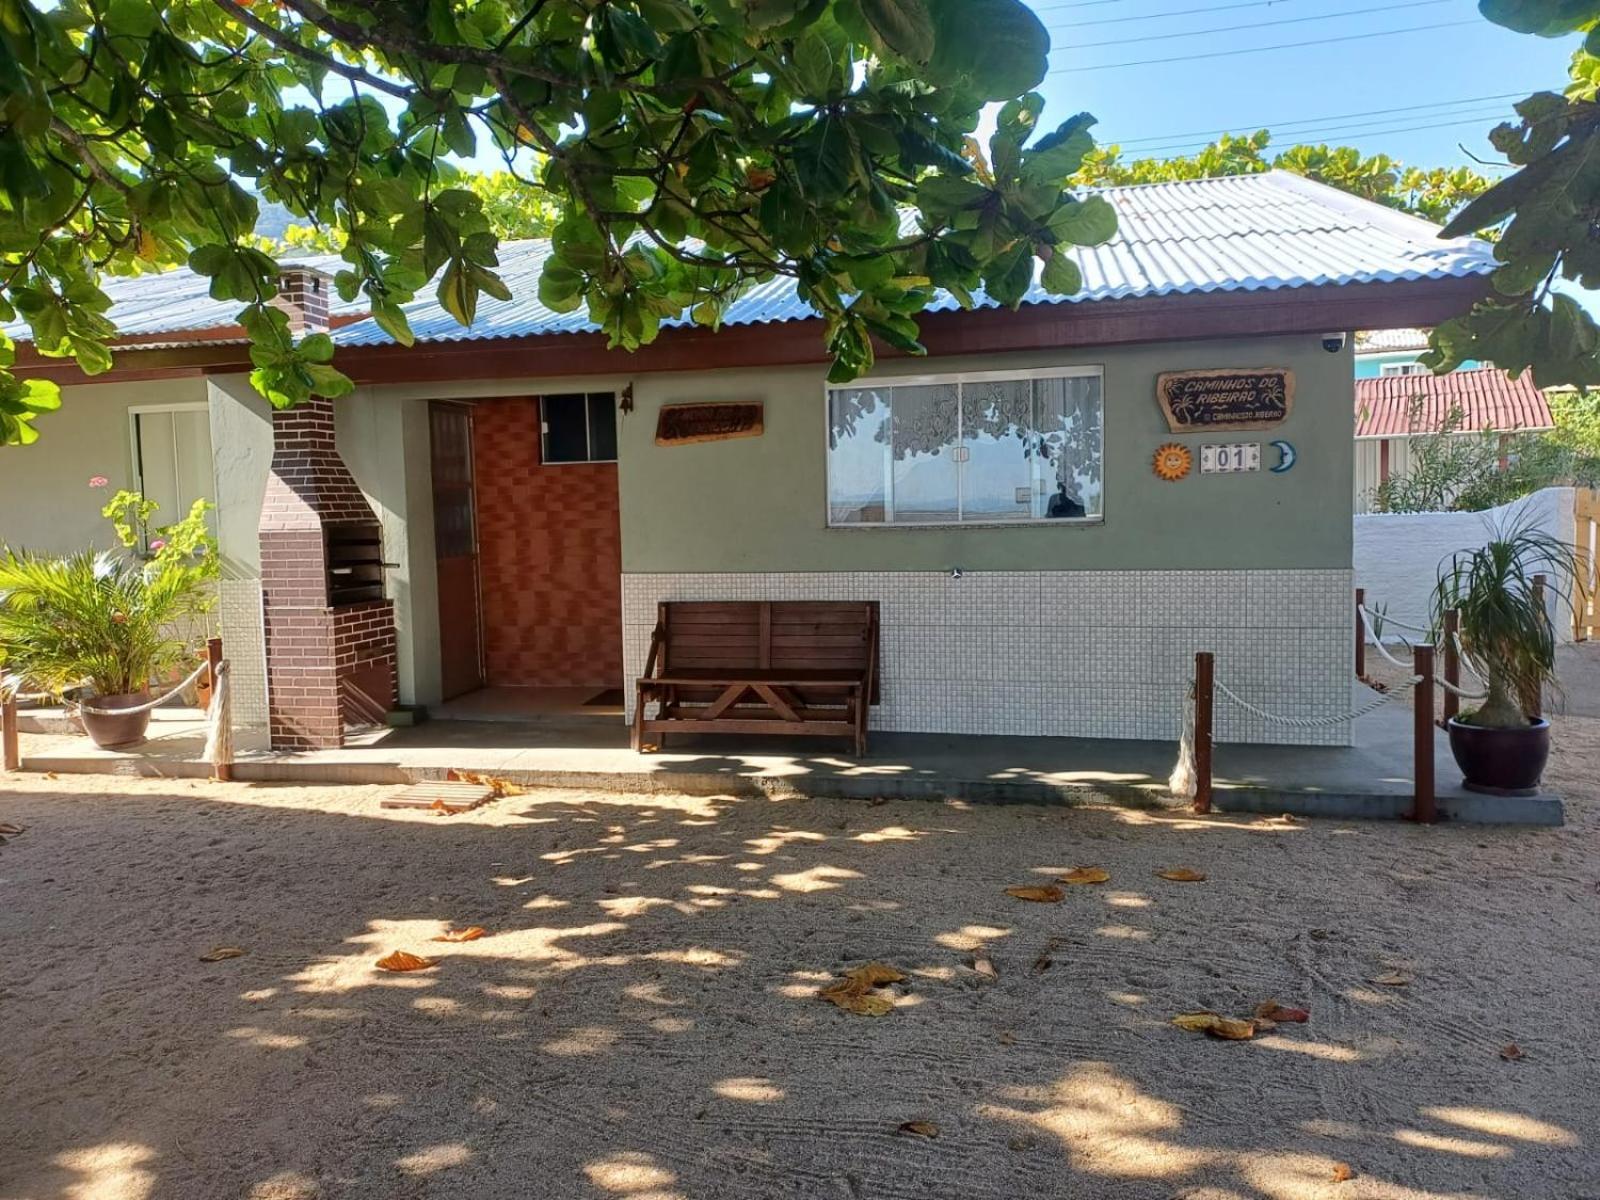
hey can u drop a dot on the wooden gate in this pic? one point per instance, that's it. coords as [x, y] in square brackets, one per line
[1585, 604]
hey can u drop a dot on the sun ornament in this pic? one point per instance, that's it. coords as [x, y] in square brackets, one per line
[1173, 461]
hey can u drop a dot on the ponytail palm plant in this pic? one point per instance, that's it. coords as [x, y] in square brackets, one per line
[105, 619]
[1507, 635]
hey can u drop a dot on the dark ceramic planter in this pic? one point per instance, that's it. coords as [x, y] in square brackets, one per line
[1501, 762]
[116, 730]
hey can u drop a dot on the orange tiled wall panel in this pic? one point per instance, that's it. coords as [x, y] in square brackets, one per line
[550, 551]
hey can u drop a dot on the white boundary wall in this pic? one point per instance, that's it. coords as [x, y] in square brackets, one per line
[1397, 555]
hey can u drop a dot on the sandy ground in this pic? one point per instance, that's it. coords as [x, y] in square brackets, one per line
[641, 1023]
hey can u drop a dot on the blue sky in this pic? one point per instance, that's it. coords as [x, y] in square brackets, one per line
[1450, 76]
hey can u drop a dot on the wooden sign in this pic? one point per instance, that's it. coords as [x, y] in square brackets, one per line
[1228, 399]
[681, 424]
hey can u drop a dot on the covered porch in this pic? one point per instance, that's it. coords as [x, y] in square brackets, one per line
[573, 747]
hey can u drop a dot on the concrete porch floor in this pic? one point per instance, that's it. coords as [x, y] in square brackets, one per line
[1370, 779]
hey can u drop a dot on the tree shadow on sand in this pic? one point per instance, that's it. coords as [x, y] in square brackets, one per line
[641, 1021]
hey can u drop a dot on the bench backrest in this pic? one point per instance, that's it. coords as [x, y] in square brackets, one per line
[770, 634]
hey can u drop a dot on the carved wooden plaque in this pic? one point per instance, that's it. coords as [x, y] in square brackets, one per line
[1226, 399]
[680, 424]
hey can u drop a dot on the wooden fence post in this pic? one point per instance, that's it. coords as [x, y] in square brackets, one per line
[10, 743]
[1204, 686]
[1533, 700]
[1423, 808]
[223, 771]
[1361, 635]
[1452, 665]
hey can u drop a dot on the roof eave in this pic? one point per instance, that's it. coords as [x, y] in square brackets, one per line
[1182, 316]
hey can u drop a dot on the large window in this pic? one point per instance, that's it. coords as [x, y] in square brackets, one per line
[1000, 447]
[578, 427]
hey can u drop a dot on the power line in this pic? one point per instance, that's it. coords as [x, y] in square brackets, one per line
[1182, 12]
[1278, 125]
[1075, 4]
[1349, 37]
[1167, 37]
[1331, 135]
[1333, 128]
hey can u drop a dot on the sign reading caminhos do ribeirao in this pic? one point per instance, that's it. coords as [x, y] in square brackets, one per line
[1225, 399]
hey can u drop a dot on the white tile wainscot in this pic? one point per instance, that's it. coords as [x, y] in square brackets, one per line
[1071, 653]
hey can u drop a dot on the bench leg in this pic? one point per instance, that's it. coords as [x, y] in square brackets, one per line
[638, 723]
[860, 706]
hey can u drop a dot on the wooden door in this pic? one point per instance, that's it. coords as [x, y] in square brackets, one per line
[455, 541]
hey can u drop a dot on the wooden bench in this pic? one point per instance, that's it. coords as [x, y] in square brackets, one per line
[805, 667]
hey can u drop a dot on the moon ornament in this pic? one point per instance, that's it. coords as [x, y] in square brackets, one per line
[1286, 457]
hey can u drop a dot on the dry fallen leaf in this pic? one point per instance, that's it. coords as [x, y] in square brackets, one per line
[861, 1005]
[1228, 1028]
[875, 974]
[401, 960]
[925, 1129]
[1086, 875]
[1342, 1172]
[218, 953]
[852, 992]
[1182, 875]
[1046, 893]
[500, 787]
[1392, 979]
[470, 934]
[1511, 1052]
[983, 966]
[1271, 1010]
[1007, 1038]
[9, 829]
[1046, 958]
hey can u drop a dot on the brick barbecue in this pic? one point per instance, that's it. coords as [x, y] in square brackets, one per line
[330, 634]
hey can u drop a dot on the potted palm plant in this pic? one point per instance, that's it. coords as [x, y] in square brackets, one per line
[106, 622]
[1509, 640]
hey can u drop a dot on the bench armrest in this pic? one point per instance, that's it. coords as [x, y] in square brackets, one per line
[657, 637]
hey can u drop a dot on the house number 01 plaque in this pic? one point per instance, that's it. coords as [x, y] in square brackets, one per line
[1195, 401]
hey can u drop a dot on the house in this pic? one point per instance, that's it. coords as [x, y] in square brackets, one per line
[1393, 408]
[506, 505]
[1384, 352]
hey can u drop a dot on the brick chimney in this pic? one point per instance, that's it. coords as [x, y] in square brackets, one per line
[303, 294]
[330, 634]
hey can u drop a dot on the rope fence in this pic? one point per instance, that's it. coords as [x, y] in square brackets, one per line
[219, 748]
[1191, 777]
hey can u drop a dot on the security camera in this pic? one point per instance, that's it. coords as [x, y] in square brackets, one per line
[1333, 342]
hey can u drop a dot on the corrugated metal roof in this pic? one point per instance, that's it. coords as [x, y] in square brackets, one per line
[1487, 398]
[1238, 233]
[1387, 341]
[179, 301]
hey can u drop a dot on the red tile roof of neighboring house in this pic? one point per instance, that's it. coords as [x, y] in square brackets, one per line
[1488, 399]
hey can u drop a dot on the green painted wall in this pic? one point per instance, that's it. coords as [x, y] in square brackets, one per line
[46, 502]
[384, 440]
[759, 504]
[241, 446]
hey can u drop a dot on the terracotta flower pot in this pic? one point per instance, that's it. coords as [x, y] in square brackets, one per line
[115, 730]
[1506, 762]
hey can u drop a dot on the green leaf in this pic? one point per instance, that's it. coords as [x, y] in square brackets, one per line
[903, 25]
[458, 293]
[1061, 276]
[392, 320]
[1086, 222]
[997, 47]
